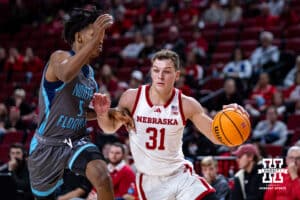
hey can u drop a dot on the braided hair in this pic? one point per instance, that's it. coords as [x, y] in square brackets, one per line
[79, 19]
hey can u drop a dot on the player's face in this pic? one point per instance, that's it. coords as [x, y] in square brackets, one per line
[115, 155]
[163, 74]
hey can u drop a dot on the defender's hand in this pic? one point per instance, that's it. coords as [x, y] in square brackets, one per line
[101, 103]
[100, 25]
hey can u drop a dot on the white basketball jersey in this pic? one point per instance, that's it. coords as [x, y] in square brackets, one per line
[157, 144]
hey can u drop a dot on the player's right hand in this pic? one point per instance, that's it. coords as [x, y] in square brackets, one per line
[100, 25]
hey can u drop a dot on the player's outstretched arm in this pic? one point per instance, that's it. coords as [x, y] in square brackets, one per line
[64, 67]
[195, 112]
[111, 119]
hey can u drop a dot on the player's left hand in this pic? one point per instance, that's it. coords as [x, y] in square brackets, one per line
[235, 106]
[101, 103]
[123, 115]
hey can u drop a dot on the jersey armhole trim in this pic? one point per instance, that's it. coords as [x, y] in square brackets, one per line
[136, 100]
[181, 108]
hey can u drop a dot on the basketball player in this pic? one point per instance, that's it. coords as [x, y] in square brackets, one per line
[160, 112]
[67, 88]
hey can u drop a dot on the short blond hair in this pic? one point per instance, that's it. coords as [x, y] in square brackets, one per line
[166, 54]
[209, 161]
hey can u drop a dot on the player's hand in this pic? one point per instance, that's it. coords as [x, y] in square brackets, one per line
[101, 103]
[236, 107]
[100, 25]
[123, 115]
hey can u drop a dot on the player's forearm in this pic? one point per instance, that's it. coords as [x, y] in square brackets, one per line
[108, 123]
[205, 127]
[72, 66]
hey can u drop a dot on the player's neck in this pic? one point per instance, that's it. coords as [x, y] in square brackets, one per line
[159, 98]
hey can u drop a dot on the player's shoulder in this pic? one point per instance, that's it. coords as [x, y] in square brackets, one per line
[59, 54]
[190, 105]
[188, 100]
[128, 98]
[132, 92]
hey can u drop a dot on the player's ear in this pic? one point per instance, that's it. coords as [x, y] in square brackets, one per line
[78, 37]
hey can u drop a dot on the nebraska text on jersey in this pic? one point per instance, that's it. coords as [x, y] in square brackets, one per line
[153, 120]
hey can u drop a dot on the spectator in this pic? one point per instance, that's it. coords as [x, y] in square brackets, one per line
[175, 43]
[14, 62]
[266, 55]
[108, 80]
[290, 186]
[198, 44]
[181, 84]
[142, 24]
[17, 166]
[290, 77]
[149, 48]
[247, 181]
[2, 58]
[75, 186]
[293, 92]
[163, 16]
[288, 17]
[14, 121]
[276, 7]
[233, 12]
[187, 13]
[136, 79]
[123, 177]
[19, 100]
[32, 63]
[279, 103]
[209, 169]
[271, 130]
[215, 13]
[193, 69]
[265, 20]
[120, 26]
[230, 95]
[262, 92]
[132, 50]
[238, 67]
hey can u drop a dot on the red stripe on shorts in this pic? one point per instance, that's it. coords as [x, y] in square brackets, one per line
[208, 191]
[141, 187]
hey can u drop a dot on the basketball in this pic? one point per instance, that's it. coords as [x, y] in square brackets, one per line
[231, 127]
